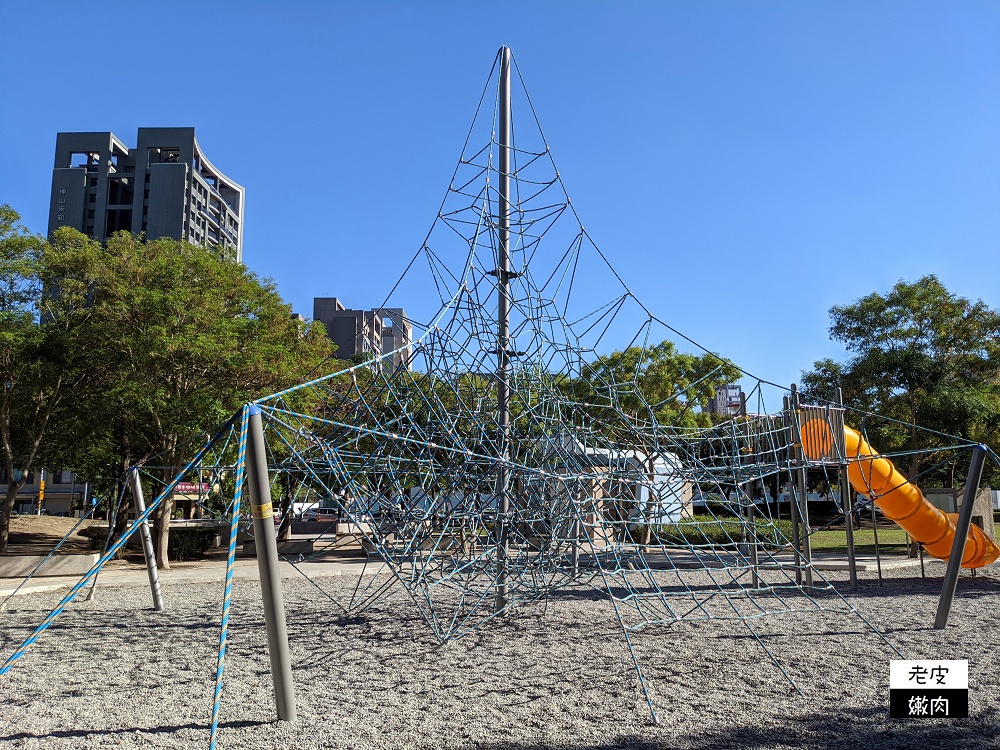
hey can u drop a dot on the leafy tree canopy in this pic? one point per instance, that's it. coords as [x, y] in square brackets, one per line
[920, 355]
[131, 350]
[45, 365]
[655, 383]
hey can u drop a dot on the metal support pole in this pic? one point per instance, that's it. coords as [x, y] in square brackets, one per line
[503, 329]
[147, 539]
[575, 551]
[751, 514]
[848, 506]
[575, 530]
[961, 537]
[800, 460]
[878, 555]
[793, 509]
[259, 487]
[752, 525]
[805, 536]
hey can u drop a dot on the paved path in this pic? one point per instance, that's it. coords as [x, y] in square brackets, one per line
[200, 572]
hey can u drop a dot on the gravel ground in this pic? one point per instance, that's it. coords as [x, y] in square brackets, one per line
[113, 673]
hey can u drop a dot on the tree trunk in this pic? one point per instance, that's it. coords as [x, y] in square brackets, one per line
[285, 527]
[161, 531]
[8, 506]
[914, 457]
[121, 520]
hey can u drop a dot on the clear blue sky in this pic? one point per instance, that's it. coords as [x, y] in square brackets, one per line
[745, 165]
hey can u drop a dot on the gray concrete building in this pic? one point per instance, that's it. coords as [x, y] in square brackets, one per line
[366, 333]
[164, 187]
[728, 400]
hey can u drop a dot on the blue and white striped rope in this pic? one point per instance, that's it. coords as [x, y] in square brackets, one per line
[30, 640]
[233, 530]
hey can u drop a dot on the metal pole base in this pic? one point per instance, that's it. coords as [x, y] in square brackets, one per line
[259, 485]
[961, 537]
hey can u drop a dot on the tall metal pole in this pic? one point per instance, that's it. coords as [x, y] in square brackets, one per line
[575, 533]
[503, 328]
[752, 525]
[259, 486]
[147, 539]
[878, 555]
[800, 460]
[41, 493]
[961, 537]
[793, 507]
[751, 514]
[845, 501]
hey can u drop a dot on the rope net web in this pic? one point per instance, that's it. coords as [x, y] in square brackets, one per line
[588, 480]
[490, 466]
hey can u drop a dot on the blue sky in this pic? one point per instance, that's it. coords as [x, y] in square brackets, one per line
[745, 165]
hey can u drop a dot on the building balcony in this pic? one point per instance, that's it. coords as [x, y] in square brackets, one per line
[210, 216]
[218, 195]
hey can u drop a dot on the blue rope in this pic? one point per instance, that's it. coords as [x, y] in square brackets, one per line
[55, 549]
[112, 550]
[233, 530]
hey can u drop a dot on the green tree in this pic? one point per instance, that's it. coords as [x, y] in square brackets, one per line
[45, 315]
[655, 383]
[187, 336]
[920, 355]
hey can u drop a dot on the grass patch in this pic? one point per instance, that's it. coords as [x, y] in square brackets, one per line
[702, 530]
[890, 542]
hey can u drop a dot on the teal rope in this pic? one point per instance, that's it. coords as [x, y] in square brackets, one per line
[233, 529]
[30, 640]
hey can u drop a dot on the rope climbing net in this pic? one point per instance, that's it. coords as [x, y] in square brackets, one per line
[509, 450]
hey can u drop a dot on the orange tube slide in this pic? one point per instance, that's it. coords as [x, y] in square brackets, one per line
[898, 499]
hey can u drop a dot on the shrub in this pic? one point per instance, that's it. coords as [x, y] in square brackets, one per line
[184, 544]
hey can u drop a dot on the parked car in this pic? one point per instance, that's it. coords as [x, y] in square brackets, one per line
[320, 514]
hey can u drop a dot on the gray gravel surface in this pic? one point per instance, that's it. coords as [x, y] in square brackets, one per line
[113, 673]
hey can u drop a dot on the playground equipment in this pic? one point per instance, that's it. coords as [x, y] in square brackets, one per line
[508, 458]
[899, 500]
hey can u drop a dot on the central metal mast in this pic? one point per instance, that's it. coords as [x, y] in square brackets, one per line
[503, 328]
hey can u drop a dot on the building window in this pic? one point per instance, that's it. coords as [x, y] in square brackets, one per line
[90, 230]
[57, 477]
[90, 214]
[145, 194]
[147, 178]
[145, 210]
[93, 198]
[93, 182]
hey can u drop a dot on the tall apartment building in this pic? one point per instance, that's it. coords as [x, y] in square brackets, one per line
[728, 400]
[366, 332]
[164, 187]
